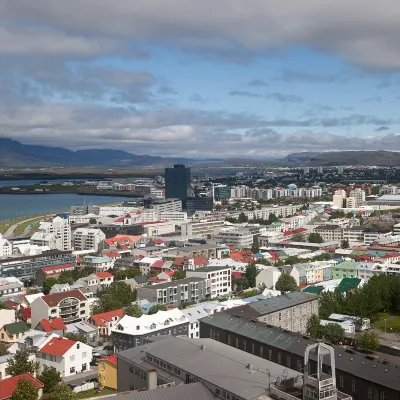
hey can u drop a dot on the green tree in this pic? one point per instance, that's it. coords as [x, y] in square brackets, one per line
[92, 221]
[315, 237]
[249, 293]
[345, 244]
[156, 308]
[50, 377]
[272, 218]
[48, 284]
[60, 392]
[368, 340]
[133, 310]
[178, 275]
[250, 275]
[242, 218]
[4, 306]
[333, 333]
[241, 283]
[3, 349]
[313, 327]
[286, 283]
[20, 364]
[25, 390]
[298, 237]
[75, 336]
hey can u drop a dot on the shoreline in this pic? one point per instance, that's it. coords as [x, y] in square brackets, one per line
[109, 194]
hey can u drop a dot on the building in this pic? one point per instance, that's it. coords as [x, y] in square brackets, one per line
[239, 236]
[107, 372]
[87, 239]
[69, 357]
[11, 287]
[52, 272]
[177, 217]
[71, 306]
[101, 264]
[168, 205]
[11, 333]
[105, 322]
[199, 203]
[330, 233]
[177, 182]
[56, 325]
[359, 196]
[227, 372]
[194, 314]
[85, 209]
[365, 235]
[133, 332]
[361, 376]
[56, 235]
[338, 198]
[8, 385]
[25, 268]
[7, 317]
[219, 281]
[6, 248]
[177, 292]
[202, 228]
[221, 192]
[86, 330]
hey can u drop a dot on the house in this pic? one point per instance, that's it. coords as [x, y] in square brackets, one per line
[32, 341]
[165, 276]
[28, 299]
[161, 266]
[193, 314]
[88, 331]
[55, 325]
[99, 263]
[53, 271]
[26, 315]
[145, 264]
[10, 333]
[105, 278]
[69, 357]
[189, 263]
[11, 287]
[119, 241]
[71, 306]
[106, 321]
[7, 317]
[145, 305]
[3, 366]
[268, 277]
[8, 385]
[107, 372]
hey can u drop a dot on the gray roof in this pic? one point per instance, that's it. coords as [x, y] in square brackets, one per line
[353, 363]
[211, 269]
[4, 359]
[193, 391]
[213, 363]
[273, 304]
[178, 282]
[327, 227]
[82, 326]
[141, 279]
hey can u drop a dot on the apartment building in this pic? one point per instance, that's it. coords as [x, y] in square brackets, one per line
[338, 198]
[101, 264]
[85, 209]
[52, 272]
[330, 233]
[365, 235]
[202, 228]
[87, 239]
[176, 292]
[166, 205]
[239, 236]
[359, 196]
[219, 281]
[131, 332]
[25, 268]
[71, 306]
[203, 250]
[56, 235]
[177, 217]
[6, 248]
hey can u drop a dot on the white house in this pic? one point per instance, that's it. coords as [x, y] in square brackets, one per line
[6, 317]
[69, 357]
[193, 314]
[268, 277]
[6, 248]
[56, 234]
[100, 263]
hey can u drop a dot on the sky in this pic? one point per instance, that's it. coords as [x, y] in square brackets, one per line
[201, 79]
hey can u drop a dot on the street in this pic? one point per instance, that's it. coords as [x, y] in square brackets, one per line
[77, 379]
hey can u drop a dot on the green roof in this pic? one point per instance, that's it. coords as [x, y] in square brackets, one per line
[16, 327]
[347, 284]
[346, 265]
[313, 289]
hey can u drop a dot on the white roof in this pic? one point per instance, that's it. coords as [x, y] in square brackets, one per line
[31, 297]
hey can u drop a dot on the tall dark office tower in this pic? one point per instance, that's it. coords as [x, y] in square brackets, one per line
[177, 182]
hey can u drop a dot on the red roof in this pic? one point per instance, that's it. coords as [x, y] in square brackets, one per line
[121, 219]
[107, 316]
[56, 324]
[53, 299]
[112, 359]
[58, 346]
[153, 278]
[179, 261]
[158, 264]
[10, 304]
[244, 256]
[103, 275]
[200, 260]
[7, 386]
[112, 254]
[237, 275]
[169, 273]
[26, 312]
[56, 269]
[294, 231]
[158, 241]
[122, 239]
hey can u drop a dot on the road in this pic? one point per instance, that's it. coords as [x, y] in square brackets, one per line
[77, 379]
[11, 229]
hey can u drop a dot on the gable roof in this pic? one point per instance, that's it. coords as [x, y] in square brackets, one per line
[53, 299]
[112, 359]
[55, 324]
[7, 386]
[107, 316]
[102, 275]
[16, 327]
[58, 346]
[56, 269]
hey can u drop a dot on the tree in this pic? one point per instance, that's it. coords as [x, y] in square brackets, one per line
[286, 283]
[178, 275]
[60, 392]
[298, 237]
[156, 308]
[241, 283]
[25, 390]
[4, 306]
[134, 310]
[242, 218]
[315, 237]
[313, 327]
[76, 337]
[333, 333]
[92, 221]
[50, 377]
[20, 364]
[345, 244]
[250, 275]
[48, 284]
[255, 249]
[3, 349]
[368, 340]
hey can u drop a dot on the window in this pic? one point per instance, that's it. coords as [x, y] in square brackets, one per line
[131, 370]
[72, 370]
[237, 342]
[253, 347]
[279, 358]
[84, 354]
[280, 317]
[72, 358]
[269, 354]
[383, 395]
[370, 392]
[288, 361]
[353, 385]
[341, 381]
[217, 392]
[298, 365]
[244, 345]
[77, 346]
[229, 339]
[261, 351]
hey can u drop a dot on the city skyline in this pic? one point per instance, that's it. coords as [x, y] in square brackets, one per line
[256, 79]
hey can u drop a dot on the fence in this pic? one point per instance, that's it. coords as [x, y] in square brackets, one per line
[86, 386]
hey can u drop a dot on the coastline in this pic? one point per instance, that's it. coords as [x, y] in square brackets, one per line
[81, 193]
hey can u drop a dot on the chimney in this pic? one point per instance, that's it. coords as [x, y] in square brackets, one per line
[151, 379]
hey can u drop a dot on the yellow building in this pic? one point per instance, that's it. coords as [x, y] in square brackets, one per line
[107, 370]
[11, 333]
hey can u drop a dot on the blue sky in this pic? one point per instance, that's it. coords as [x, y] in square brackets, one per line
[244, 79]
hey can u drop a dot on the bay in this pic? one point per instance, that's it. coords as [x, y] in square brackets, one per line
[19, 205]
[30, 182]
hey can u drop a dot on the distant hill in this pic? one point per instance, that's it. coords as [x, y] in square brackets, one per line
[299, 158]
[16, 154]
[379, 158]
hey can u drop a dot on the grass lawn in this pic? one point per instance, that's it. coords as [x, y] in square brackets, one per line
[391, 322]
[21, 227]
[92, 393]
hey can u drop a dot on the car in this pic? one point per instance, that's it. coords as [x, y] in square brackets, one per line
[71, 385]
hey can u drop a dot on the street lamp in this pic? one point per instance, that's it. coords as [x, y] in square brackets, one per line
[385, 327]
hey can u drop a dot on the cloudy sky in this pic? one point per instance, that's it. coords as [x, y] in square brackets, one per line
[209, 78]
